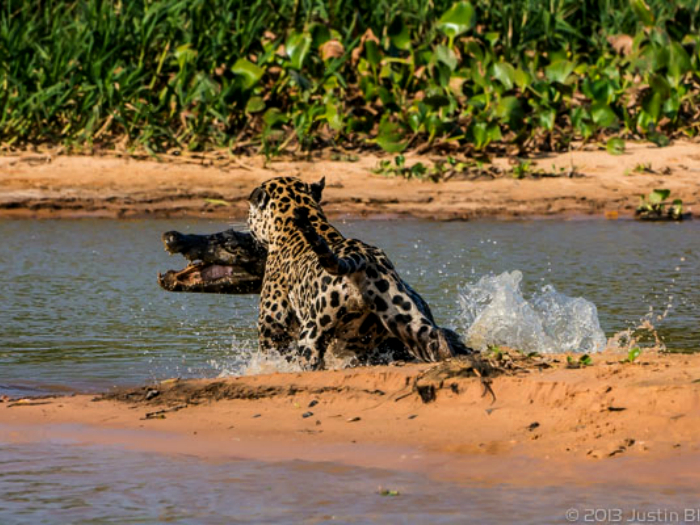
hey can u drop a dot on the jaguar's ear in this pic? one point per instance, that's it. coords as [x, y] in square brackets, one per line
[259, 198]
[317, 189]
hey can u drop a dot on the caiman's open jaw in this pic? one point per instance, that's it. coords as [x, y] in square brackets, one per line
[211, 278]
[229, 262]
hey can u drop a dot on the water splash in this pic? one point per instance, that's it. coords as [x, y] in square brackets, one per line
[644, 332]
[268, 363]
[493, 311]
[643, 335]
[244, 358]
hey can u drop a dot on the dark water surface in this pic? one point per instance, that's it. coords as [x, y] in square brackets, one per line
[80, 308]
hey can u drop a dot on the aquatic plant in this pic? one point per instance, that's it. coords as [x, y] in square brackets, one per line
[582, 362]
[297, 75]
[399, 168]
[633, 354]
[653, 207]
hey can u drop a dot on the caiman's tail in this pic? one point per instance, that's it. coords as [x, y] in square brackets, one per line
[327, 259]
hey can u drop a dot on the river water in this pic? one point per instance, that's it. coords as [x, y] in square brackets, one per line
[80, 310]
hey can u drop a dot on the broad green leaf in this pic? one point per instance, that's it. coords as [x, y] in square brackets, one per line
[678, 62]
[522, 78]
[603, 115]
[483, 134]
[581, 121]
[443, 74]
[299, 79]
[659, 195]
[435, 97]
[659, 55]
[478, 102]
[615, 146]
[581, 69]
[374, 54]
[672, 104]
[586, 130]
[333, 117]
[446, 56]
[653, 101]
[559, 71]
[633, 354]
[473, 47]
[320, 34]
[255, 105]
[492, 37]
[509, 110]
[505, 74]
[585, 360]
[185, 54]
[546, 118]
[433, 124]
[601, 90]
[250, 72]
[390, 137]
[458, 19]
[399, 35]
[651, 104]
[418, 170]
[659, 139]
[274, 116]
[677, 208]
[641, 9]
[386, 96]
[414, 121]
[297, 48]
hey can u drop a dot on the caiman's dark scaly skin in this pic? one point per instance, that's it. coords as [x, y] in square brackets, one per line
[227, 247]
[230, 262]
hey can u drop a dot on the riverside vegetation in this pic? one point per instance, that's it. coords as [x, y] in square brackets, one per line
[293, 76]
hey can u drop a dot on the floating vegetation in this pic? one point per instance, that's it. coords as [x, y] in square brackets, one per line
[162, 78]
[633, 354]
[654, 207]
[582, 362]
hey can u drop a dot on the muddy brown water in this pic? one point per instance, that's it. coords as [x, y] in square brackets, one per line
[62, 481]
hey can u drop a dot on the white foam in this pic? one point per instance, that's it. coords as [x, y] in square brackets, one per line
[493, 311]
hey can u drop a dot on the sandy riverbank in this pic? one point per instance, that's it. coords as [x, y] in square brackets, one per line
[45, 186]
[547, 421]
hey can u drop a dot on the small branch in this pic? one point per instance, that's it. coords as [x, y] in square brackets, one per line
[154, 415]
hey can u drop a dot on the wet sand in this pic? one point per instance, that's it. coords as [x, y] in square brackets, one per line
[613, 420]
[42, 185]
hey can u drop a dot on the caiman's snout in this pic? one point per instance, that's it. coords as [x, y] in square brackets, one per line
[187, 245]
[173, 242]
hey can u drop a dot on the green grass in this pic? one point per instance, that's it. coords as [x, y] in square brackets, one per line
[297, 75]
